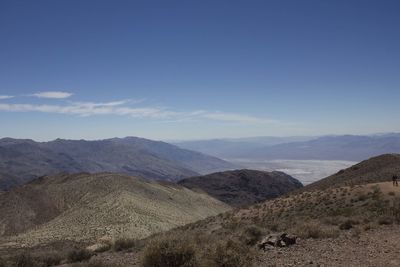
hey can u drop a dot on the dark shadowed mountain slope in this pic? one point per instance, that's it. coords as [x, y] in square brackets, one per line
[85, 206]
[243, 187]
[373, 170]
[24, 160]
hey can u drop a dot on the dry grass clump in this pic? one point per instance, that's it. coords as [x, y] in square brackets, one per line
[385, 220]
[205, 250]
[228, 253]
[24, 260]
[93, 263]
[124, 244]
[51, 259]
[170, 251]
[315, 230]
[79, 255]
[252, 234]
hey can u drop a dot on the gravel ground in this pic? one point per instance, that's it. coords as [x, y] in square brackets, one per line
[378, 247]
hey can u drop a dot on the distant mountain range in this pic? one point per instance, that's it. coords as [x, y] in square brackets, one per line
[345, 147]
[243, 187]
[232, 147]
[24, 160]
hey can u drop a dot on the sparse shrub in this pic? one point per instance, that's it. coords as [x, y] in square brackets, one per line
[274, 227]
[51, 259]
[316, 230]
[346, 225]
[24, 260]
[124, 244]
[93, 263]
[228, 253]
[392, 193]
[385, 221]
[169, 252]
[368, 227]
[252, 234]
[2, 263]
[79, 255]
[362, 197]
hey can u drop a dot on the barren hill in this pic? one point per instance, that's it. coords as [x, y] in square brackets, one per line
[243, 187]
[373, 170]
[24, 160]
[86, 207]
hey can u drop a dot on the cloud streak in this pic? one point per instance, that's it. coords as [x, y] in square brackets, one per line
[121, 108]
[52, 95]
[2, 97]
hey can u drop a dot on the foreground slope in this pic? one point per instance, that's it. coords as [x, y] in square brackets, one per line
[85, 207]
[24, 160]
[345, 226]
[338, 211]
[243, 187]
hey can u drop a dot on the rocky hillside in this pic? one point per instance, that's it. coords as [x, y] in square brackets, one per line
[373, 170]
[24, 160]
[85, 207]
[243, 187]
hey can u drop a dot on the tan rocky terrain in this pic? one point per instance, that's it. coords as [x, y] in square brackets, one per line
[87, 207]
[376, 247]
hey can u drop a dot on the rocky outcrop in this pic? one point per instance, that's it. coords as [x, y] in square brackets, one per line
[277, 240]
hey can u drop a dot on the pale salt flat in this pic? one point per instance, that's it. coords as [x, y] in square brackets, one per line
[306, 171]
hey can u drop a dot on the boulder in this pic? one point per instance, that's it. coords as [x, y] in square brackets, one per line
[277, 240]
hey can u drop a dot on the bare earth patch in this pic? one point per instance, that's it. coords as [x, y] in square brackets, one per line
[377, 247]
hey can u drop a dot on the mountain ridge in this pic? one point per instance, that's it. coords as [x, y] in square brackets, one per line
[22, 160]
[329, 147]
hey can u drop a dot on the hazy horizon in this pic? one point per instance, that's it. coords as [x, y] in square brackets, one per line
[197, 139]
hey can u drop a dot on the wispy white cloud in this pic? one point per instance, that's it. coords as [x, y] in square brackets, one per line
[90, 109]
[52, 94]
[234, 117]
[124, 108]
[5, 97]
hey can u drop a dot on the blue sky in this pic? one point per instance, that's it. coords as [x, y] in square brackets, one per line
[198, 69]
